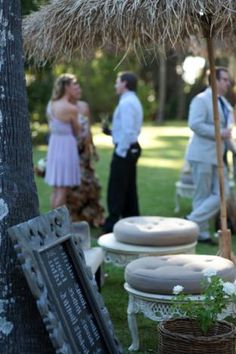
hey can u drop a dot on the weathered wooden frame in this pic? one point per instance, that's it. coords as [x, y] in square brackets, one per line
[32, 240]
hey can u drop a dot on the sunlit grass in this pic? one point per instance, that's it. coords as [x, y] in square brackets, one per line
[42, 148]
[153, 162]
[149, 137]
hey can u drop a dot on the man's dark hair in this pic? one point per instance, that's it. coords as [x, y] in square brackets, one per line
[219, 70]
[130, 79]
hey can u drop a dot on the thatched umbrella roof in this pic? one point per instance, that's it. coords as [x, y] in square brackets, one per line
[64, 27]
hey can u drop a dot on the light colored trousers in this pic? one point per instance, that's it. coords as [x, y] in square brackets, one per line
[206, 199]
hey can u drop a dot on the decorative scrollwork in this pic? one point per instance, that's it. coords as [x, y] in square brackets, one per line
[47, 233]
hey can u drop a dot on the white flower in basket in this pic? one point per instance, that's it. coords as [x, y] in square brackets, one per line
[216, 296]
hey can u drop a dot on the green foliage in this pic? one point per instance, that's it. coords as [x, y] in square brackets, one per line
[39, 88]
[215, 297]
[97, 79]
[29, 5]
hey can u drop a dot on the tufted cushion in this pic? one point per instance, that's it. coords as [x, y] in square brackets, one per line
[160, 274]
[155, 231]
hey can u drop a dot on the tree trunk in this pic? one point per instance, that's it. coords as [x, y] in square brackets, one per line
[162, 90]
[21, 327]
[180, 92]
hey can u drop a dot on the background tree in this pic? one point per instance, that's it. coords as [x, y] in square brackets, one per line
[160, 117]
[21, 328]
[97, 78]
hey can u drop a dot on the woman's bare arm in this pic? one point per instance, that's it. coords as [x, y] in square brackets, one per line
[74, 121]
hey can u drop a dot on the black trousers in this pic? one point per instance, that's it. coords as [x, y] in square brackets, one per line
[122, 198]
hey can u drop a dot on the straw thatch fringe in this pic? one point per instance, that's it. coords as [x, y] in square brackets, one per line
[65, 27]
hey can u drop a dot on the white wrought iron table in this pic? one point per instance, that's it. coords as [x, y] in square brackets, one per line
[120, 254]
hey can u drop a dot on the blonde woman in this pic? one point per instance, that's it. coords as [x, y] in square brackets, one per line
[62, 168]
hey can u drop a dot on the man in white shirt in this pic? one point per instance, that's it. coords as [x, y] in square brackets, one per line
[201, 152]
[122, 199]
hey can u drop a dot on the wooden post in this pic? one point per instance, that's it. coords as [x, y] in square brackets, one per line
[225, 249]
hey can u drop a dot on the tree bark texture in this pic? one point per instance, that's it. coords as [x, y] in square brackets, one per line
[21, 327]
[181, 102]
[162, 90]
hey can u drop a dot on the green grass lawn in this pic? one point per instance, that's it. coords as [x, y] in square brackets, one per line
[158, 170]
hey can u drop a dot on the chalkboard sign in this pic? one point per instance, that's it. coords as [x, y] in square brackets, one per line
[67, 297]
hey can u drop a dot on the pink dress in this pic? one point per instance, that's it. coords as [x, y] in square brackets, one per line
[62, 165]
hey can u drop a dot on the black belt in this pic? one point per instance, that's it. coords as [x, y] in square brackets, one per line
[134, 151]
[133, 145]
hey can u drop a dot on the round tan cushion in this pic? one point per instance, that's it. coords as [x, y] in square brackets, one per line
[160, 274]
[155, 231]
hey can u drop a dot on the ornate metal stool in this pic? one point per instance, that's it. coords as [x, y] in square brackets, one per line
[135, 237]
[150, 282]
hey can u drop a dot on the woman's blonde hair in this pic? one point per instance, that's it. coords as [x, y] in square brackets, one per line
[60, 84]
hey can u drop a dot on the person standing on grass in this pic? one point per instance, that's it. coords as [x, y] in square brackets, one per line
[62, 164]
[83, 201]
[201, 152]
[122, 198]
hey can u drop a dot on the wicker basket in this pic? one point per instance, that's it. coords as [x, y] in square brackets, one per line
[183, 335]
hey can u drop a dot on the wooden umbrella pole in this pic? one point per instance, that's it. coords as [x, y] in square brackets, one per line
[224, 233]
